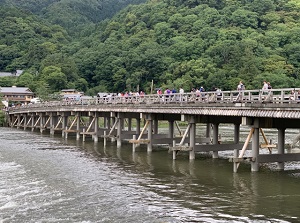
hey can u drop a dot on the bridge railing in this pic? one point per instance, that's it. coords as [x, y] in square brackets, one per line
[278, 96]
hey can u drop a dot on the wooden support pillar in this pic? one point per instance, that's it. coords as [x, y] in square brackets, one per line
[208, 130]
[192, 137]
[64, 125]
[129, 124]
[255, 150]
[19, 121]
[66, 133]
[236, 140]
[280, 146]
[25, 122]
[155, 126]
[133, 144]
[119, 132]
[215, 139]
[138, 126]
[113, 120]
[96, 127]
[42, 123]
[52, 124]
[32, 122]
[78, 126]
[13, 122]
[174, 152]
[104, 139]
[150, 127]
[236, 134]
[171, 130]
[46, 122]
[83, 135]
[108, 122]
[122, 121]
[105, 122]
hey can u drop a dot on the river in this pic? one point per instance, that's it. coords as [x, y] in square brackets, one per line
[51, 179]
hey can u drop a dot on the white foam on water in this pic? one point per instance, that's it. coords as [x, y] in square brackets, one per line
[21, 194]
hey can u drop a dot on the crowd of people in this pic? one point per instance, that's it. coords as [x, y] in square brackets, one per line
[199, 92]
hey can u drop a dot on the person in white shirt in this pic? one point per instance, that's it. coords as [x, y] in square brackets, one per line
[181, 91]
[265, 88]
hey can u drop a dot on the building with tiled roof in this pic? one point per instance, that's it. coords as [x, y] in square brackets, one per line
[16, 94]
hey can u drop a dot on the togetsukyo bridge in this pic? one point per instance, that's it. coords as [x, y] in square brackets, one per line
[135, 119]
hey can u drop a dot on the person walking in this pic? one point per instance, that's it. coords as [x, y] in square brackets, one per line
[181, 92]
[240, 88]
[265, 87]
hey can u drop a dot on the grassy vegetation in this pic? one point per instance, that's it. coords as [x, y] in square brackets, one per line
[3, 121]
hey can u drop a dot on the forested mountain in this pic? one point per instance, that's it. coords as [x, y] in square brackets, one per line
[194, 43]
[74, 15]
[175, 43]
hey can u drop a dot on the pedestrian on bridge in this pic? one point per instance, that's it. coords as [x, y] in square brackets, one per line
[240, 88]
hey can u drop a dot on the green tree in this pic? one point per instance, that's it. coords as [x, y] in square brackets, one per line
[25, 80]
[54, 78]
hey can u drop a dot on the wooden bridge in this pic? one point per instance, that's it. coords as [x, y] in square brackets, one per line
[120, 119]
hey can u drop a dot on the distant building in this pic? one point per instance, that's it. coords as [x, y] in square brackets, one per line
[69, 91]
[17, 73]
[16, 94]
[71, 94]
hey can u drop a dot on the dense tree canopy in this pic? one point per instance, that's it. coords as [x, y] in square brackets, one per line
[210, 43]
[75, 16]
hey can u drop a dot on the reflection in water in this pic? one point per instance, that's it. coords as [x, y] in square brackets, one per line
[209, 186]
[85, 182]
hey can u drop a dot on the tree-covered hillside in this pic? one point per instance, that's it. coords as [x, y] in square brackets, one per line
[30, 44]
[75, 16]
[194, 43]
[26, 41]
[214, 43]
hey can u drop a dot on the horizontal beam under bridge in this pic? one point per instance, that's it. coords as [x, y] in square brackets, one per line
[269, 158]
[219, 147]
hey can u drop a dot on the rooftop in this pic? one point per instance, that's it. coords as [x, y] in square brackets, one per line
[17, 73]
[14, 89]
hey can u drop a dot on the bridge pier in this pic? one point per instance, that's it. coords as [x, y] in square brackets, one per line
[25, 121]
[113, 119]
[255, 150]
[138, 126]
[77, 126]
[192, 135]
[236, 140]
[208, 130]
[280, 146]
[119, 130]
[150, 128]
[41, 122]
[64, 125]
[52, 123]
[171, 131]
[32, 122]
[129, 124]
[96, 127]
[215, 139]
[155, 126]
[19, 121]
